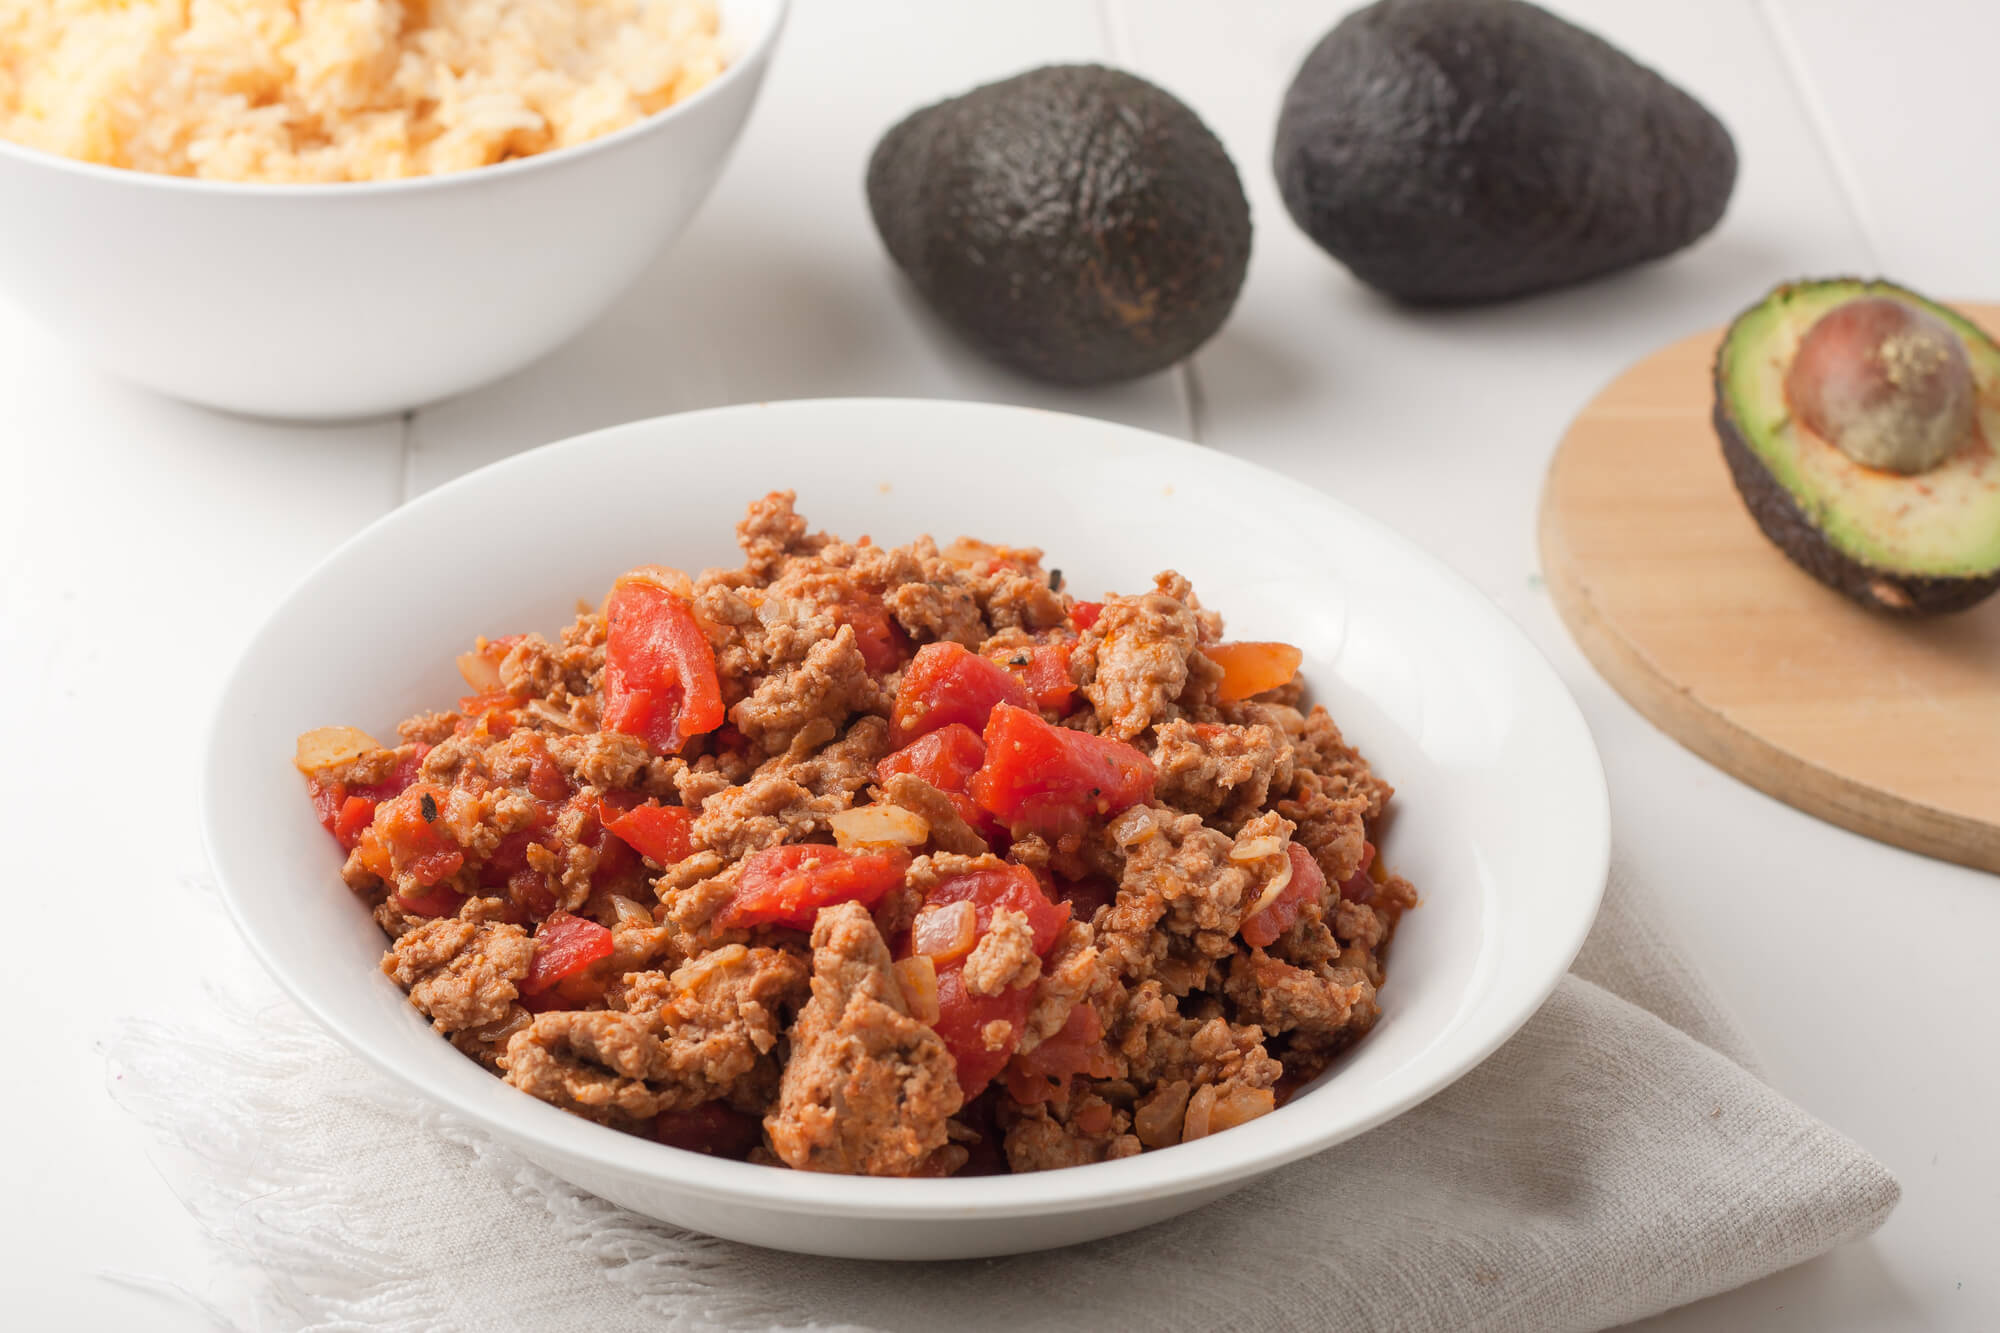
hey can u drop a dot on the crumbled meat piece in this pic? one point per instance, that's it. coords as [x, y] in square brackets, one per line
[1013, 596]
[845, 767]
[1205, 881]
[832, 683]
[427, 728]
[1133, 663]
[948, 830]
[1038, 1141]
[1071, 972]
[1217, 770]
[610, 760]
[937, 609]
[768, 810]
[1005, 956]
[868, 1088]
[463, 974]
[772, 531]
[1323, 750]
[1278, 997]
[1331, 827]
[686, 1039]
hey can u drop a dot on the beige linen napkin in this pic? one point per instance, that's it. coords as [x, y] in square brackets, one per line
[1618, 1157]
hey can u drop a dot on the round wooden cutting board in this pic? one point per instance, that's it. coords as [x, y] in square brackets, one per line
[1890, 728]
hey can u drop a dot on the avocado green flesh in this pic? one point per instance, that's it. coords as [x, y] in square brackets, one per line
[1941, 523]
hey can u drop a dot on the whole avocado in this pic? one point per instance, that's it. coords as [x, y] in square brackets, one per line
[1074, 222]
[1451, 152]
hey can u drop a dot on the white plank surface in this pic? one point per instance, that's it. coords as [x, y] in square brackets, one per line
[143, 540]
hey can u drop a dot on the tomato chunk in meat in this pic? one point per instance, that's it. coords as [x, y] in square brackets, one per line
[408, 837]
[947, 683]
[660, 833]
[1276, 917]
[1043, 671]
[660, 682]
[564, 946]
[880, 639]
[715, 1128]
[1077, 1048]
[786, 886]
[946, 758]
[982, 1032]
[346, 810]
[1051, 780]
[1251, 668]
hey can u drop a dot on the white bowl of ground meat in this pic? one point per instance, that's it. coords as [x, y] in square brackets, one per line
[937, 870]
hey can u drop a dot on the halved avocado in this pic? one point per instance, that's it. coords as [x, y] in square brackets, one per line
[1917, 544]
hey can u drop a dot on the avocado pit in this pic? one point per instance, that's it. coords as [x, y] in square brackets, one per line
[1885, 383]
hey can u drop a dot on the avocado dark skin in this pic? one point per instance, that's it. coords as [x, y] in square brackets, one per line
[1073, 222]
[1780, 519]
[1452, 152]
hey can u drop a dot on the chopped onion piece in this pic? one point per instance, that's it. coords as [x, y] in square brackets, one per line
[1157, 1120]
[1271, 890]
[946, 933]
[630, 910]
[1200, 1108]
[878, 826]
[324, 747]
[481, 672]
[918, 978]
[1256, 849]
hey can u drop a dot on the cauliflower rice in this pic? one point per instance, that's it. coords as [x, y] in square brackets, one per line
[339, 90]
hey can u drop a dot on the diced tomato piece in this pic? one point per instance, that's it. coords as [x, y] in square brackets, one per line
[715, 1128]
[1084, 614]
[964, 1021]
[946, 758]
[438, 900]
[1085, 896]
[564, 946]
[786, 886]
[881, 640]
[659, 671]
[1050, 779]
[1306, 885]
[346, 811]
[1043, 671]
[946, 684]
[356, 814]
[472, 705]
[1013, 887]
[1360, 886]
[1252, 668]
[1077, 1048]
[660, 833]
[408, 836]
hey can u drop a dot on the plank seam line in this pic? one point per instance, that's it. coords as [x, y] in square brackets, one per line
[1844, 178]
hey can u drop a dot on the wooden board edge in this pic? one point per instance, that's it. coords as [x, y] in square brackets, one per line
[1776, 772]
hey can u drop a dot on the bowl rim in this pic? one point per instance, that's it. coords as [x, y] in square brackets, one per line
[753, 55]
[1215, 1163]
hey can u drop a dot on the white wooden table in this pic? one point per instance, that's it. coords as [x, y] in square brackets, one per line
[144, 540]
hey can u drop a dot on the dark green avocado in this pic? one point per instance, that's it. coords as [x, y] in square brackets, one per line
[1074, 222]
[1450, 152]
[1863, 448]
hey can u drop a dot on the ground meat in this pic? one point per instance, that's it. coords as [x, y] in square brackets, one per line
[868, 1088]
[1133, 663]
[1149, 1021]
[1005, 956]
[772, 531]
[1219, 771]
[463, 974]
[771, 808]
[1073, 969]
[948, 830]
[832, 683]
[687, 1039]
[1038, 1141]
[937, 610]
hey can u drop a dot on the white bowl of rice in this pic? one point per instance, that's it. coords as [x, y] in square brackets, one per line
[328, 209]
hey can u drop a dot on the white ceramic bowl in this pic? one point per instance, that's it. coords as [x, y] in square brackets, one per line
[321, 302]
[1502, 819]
